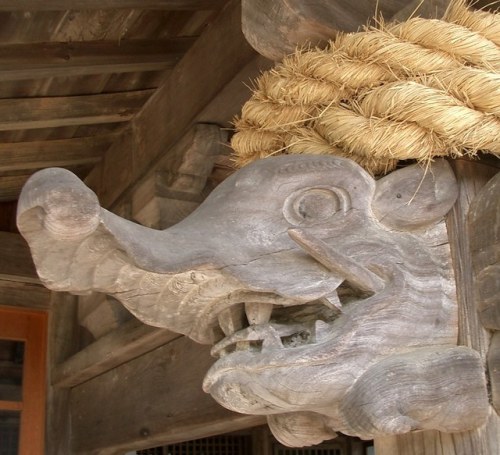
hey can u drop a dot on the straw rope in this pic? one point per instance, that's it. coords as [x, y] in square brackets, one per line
[413, 90]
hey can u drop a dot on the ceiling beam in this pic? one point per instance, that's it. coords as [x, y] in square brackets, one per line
[63, 5]
[51, 112]
[79, 58]
[18, 156]
[210, 64]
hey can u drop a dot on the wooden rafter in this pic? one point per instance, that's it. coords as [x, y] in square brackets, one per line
[62, 5]
[50, 112]
[18, 156]
[209, 65]
[40, 60]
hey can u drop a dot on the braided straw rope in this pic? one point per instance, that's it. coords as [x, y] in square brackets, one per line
[413, 90]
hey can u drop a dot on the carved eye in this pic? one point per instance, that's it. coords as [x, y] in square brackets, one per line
[313, 205]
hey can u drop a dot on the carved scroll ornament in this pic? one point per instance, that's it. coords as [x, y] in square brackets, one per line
[328, 296]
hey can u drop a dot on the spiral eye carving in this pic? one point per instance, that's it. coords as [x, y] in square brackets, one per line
[311, 206]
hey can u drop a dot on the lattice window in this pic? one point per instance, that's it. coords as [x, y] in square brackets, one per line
[217, 445]
[329, 449]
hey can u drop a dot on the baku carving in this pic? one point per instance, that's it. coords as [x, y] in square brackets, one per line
[328, 296]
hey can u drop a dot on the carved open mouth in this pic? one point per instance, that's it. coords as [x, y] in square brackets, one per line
[263, 327]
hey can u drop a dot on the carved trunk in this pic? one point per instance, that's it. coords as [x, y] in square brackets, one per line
[329, 297]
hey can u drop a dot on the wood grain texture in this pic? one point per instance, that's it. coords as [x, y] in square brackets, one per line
[22, 113]
[275, 29]
[372, 294]
[130, 340]
[63, 5]
[22, 294]
[44, 60]
[17, 156]
[176, 188]
[219, 54]
[471, 177]
[133, 407]
[484, 229]
[62, 343]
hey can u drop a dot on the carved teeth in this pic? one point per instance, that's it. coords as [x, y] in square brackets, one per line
[232, 319]
[258, 313]
[321, 330]
[272, 340]
[255, 333]
[333, 302]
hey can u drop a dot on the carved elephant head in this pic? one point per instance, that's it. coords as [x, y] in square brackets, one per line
[328, 296]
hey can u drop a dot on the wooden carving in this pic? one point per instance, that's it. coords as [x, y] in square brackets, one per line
[329, 296]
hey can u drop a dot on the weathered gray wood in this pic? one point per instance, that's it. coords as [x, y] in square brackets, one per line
[16, 263]
[56, 153]
[390, 276]
[23, 113]
[133, 406]
[130, 340]
[484, 231]
[275, 29]
[100, 314]
[219, 55]
[176, 188]
[494, 369]
[44, 60]
[471, 177]
[63, 5]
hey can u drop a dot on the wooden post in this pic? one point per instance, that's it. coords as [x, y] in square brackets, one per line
[471, 176]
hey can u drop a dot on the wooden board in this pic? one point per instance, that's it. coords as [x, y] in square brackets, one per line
[276, 28]
[152, 400]
[23, 113]
[63, 5]
[17, 156]
[216, 57]
[43, 60]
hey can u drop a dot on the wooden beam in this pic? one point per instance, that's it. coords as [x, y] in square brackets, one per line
[10, 186]
[25, 295]
[155, 399]
[79, 58]
[276, 28]
[15, 259]
[176, 189]
[63, 5]
[211, 63]
[50, 112]
[56, 153]
[130, 340]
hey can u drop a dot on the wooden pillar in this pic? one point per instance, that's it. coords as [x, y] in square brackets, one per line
[62, 343]
[471, 177]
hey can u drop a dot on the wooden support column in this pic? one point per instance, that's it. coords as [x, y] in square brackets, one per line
[63, 341]
[471, 176]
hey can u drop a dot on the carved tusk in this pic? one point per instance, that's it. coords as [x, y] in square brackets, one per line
[339, 264]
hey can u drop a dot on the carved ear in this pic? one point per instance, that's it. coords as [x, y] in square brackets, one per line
[415, 196]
